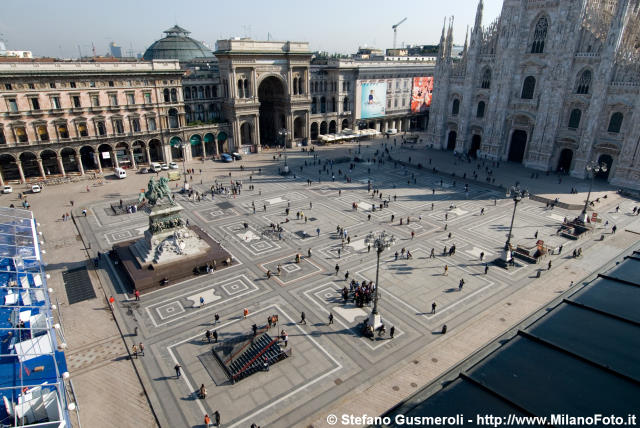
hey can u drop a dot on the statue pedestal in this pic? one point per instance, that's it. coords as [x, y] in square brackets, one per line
[169, 251]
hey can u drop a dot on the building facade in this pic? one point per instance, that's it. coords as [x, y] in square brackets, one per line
[59, 118]
[551, 84]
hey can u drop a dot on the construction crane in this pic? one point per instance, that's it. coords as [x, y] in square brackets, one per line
[395, 31]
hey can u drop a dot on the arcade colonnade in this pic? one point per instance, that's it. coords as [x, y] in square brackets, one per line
[41, 163]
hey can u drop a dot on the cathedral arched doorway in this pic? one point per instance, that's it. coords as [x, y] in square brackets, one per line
[155, 151]
[273, 98]
[451, 141]
[245, 134]
[314, 131]
[564, 161]
[476, 140]
[518, 146]
[607, 160]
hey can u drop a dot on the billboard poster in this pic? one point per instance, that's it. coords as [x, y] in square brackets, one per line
[373, 99]
[421, 94]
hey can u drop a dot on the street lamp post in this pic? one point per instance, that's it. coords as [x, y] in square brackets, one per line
[283, 134]
[516, 194]
[380, 241]
[592, 168]
[361, 124]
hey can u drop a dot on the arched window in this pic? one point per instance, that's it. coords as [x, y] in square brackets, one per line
[165, 93]
[214, 91]
[200, 92]
[187, 93]
[240, 89]
[528, 88]
[456, 107]
[300, 86]
[295, 86]
[574, 118]
[174, 95]
[480, 111]
[583, 82]
[323, 105]
[325, 86]
[207, 92]
[345, 104]
[540, 35]
[486, 79]
[246, 88]
[314, 105]
[194, 92]
[3, 140]
[101, 128]
[334, 107]
[615, 123]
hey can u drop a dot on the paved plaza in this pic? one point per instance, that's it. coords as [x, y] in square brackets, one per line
[332, 364]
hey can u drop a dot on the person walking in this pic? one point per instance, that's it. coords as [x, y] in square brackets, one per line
[461, 284]
[413, 234]
[318, 232]
[549, 266]
[134, 350]
[245, 312]
[178, 369]
[446, 270]
[137, 295]
[614, 228]
[392, 331]
[486, 268]
[481, 255]
[202, 392]
[214, 334]
[207, 336]
[330, 318]
[337, 267]
[201, 301]
[216, 318]
[216, 417]
[303, 318]
[207, 421]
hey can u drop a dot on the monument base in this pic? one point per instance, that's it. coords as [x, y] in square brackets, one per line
[145, 272]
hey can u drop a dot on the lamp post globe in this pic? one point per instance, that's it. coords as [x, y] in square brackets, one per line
[379, 241]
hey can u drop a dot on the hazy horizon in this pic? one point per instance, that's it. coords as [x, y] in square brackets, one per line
[337, 27]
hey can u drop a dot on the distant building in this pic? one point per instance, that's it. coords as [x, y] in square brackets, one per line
[115, 50]
[19, 54]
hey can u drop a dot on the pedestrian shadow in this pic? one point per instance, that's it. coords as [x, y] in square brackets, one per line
[164, 378]
[450, 290]
[437, 332]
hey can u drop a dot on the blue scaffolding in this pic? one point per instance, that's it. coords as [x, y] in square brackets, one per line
[33, 368]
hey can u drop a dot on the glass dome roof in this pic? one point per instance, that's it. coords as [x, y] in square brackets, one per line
[177, 45]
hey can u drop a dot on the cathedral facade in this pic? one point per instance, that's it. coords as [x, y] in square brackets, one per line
[552, 84]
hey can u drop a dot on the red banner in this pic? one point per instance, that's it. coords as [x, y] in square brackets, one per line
[421, 94]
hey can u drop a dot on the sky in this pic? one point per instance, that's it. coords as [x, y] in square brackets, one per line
[63, 28]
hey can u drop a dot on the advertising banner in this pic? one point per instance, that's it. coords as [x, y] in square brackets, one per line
[421, 94]
[373, 99]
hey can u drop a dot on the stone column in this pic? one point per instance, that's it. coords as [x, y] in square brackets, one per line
[61, 166]
[133, 160]
[79, 161]
[148, 153]
[41, 168]
[204, 149]
[21, 172]
[114, 157]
